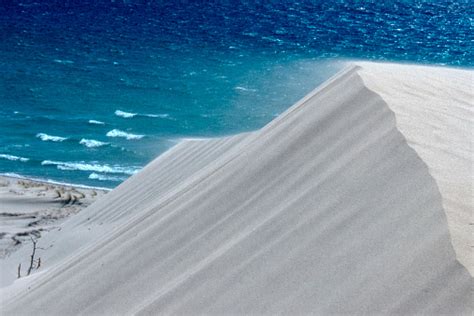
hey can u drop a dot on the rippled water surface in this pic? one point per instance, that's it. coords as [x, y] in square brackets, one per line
[90, 91]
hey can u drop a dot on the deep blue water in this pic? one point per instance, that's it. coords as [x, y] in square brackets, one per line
[187, 69]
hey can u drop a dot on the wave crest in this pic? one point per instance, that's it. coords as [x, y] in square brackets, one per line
[94, 122]
[125, 114]
[157, 115]
[83, 166]
[103, 177]
[130, 114]
[92, 143]
[122, 134]
[13, 158]
[45, 137]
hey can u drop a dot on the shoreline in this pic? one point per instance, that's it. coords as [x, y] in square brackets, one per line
[49, 181]
[29, 208]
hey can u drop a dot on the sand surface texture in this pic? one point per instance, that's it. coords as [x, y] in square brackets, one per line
[29, 209]
[349, 202]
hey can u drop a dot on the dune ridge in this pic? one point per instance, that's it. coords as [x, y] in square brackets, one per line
[333, 207]
[438, 123]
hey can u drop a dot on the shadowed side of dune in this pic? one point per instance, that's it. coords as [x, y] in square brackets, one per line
[434, 109]
[325, 210]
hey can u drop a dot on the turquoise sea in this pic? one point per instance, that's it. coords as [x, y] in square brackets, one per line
[91, 91]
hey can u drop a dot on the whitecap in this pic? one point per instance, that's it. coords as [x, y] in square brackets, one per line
[119, 133]
[157, 115]
[124, 114]
[103, 177]
[96, 122]
[45, 137]
[91, 143]
[130, 115]
[13, 158]
[84, 166]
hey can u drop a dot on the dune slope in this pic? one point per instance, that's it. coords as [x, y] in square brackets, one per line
[330, 208]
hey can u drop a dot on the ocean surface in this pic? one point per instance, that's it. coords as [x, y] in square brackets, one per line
[91, 91]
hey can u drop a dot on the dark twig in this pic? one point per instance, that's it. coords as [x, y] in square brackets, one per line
[32, 257]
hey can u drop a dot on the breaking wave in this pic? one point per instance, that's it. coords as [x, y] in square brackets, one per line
[45, 137]
[130, 114]
[13, 158]
[125, 114]
[92, 143]
[119, 133]
[83, 166]
[104, 177]
[94, 122]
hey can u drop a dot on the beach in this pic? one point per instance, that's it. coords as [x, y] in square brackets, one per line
[31, 208]
[356, 200]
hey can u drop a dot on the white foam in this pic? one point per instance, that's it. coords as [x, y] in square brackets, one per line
[130, 115]
[83, 166]
[45, 137]
[13, 158]
[103, 177]
[124, 114]
[96, 122]
[92, 143]
[119, 133]
[157, 115]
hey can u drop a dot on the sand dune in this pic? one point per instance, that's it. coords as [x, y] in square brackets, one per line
[340, 205]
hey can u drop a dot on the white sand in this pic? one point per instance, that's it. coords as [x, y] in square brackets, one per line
[31, 208]
[438, 122]
[339, 205]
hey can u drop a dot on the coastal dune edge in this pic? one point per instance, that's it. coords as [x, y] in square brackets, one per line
[355, 200]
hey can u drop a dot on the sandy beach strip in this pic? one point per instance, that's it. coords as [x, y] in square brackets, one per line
[31, 208]
[356, 200]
